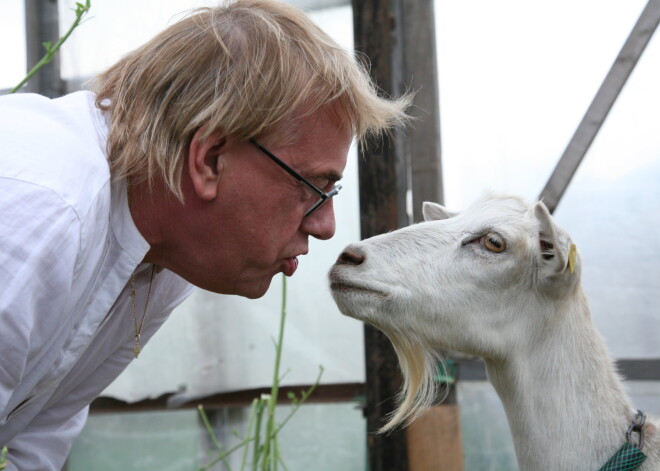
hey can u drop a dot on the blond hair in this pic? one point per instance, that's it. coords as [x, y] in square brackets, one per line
[243, 68]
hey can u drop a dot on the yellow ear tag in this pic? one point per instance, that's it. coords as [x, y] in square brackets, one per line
[572, 258]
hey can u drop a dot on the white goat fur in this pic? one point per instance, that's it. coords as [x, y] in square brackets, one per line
[436, 285]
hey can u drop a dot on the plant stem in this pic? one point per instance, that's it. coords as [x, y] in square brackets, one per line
[270, 426]
[265, 448]
[257, 434]
[251, 420]
[214, 437]
[224, 455]
[81, 10]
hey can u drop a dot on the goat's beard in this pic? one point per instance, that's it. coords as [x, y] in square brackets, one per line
[418, 360]
[420, 365]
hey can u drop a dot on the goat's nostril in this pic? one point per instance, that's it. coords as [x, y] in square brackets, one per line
[351, 257]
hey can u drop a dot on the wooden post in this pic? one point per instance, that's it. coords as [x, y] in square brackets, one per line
[399, 39]
[434, 441]
[421, 72]
[42, 25]
[383, 186]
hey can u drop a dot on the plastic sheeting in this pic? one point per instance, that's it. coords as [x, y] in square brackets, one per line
[515, 80]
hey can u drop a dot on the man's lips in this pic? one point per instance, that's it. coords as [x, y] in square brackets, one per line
[290, 265]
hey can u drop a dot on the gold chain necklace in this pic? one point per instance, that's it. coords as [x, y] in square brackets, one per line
[138, 328]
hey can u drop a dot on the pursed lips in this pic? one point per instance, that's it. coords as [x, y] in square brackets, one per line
[289, 266]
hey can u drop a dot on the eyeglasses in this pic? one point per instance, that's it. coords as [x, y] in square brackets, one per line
[324, 196]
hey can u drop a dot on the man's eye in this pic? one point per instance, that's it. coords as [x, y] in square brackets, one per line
[326, 184]
[320, 183]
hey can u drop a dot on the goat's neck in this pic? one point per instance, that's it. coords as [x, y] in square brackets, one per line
[563, 399]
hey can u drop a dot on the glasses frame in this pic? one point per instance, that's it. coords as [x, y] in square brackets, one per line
[324, 196]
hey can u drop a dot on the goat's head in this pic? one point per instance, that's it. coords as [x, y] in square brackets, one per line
[479, 282]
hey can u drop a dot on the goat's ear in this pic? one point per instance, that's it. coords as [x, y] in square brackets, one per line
[435, 212]
[555, 244]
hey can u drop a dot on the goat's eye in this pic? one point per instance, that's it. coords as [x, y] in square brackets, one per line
[493, 242]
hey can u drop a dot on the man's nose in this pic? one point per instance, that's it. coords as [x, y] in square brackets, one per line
[321, 223]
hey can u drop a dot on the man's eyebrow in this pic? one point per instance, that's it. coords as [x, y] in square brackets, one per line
[329, 175]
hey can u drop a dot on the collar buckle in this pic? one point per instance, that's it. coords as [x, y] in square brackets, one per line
[637, 426]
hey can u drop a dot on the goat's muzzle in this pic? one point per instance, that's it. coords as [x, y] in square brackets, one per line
[351, 256]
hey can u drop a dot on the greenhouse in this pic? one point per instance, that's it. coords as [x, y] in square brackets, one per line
[553, 102]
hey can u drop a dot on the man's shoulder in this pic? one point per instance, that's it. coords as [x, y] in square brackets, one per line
[58, 145]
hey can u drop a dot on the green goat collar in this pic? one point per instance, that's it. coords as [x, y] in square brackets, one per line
[630, 456]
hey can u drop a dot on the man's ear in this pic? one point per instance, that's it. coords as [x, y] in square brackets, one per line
[204, 165]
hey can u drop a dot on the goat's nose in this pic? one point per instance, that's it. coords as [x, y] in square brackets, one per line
[351, 256]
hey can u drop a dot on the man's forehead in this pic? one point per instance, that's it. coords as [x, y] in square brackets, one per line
[304, 124]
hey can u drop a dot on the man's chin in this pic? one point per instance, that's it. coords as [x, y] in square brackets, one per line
[253, 295]
[254, 290]
[251, 289]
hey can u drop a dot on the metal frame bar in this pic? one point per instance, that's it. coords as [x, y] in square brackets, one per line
[601, 105]
[632, 369]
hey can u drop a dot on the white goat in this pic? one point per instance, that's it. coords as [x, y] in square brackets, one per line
[495, 281]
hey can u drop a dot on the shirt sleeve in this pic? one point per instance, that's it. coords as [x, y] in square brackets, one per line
[45, 443]
[39, 245]
[55, 429]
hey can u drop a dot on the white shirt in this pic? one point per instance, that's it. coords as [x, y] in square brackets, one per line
[68, 247]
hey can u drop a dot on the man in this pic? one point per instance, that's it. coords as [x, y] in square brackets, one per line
[206, 157]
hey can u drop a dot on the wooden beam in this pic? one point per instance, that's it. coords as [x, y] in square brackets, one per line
[601, 105]
[324, 393]
[638, 369]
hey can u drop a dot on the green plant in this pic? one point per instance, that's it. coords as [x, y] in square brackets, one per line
[262, 430]
[3, 457]
[51, 49]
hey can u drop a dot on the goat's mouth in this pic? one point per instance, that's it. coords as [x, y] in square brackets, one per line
[340, 288]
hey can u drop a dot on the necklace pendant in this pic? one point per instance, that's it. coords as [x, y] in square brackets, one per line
[136, 349]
